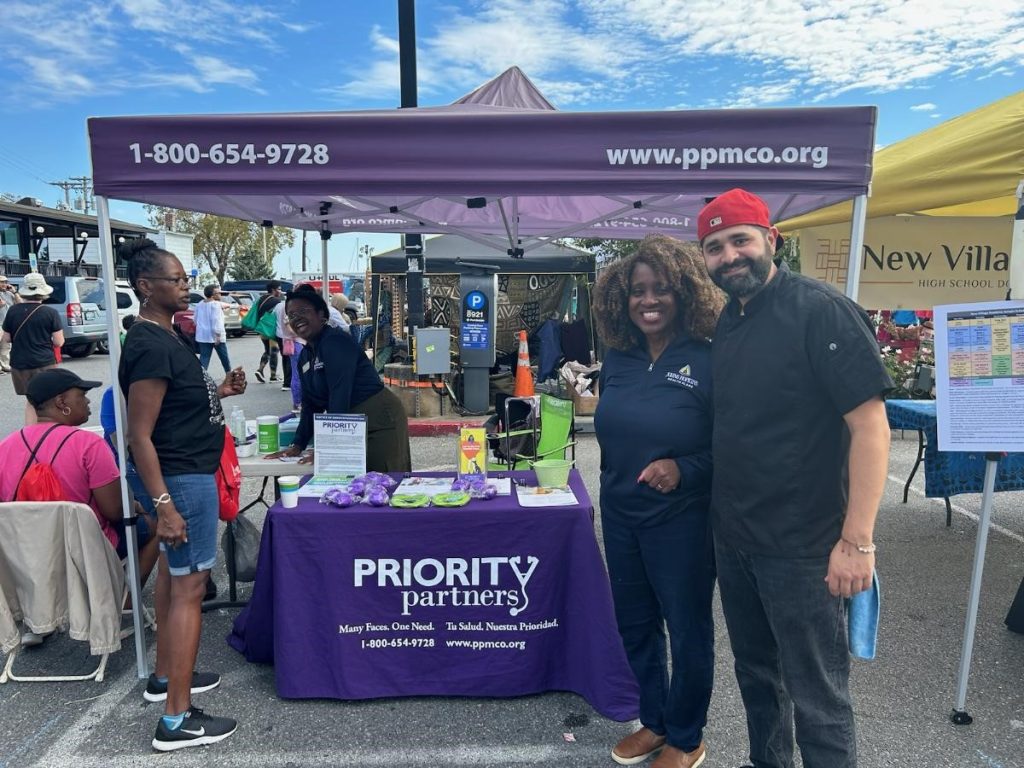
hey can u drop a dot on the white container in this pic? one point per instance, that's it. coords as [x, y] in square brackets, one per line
[289, 486]
[268, 434]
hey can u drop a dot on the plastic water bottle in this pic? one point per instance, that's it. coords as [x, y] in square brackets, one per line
[237, 424]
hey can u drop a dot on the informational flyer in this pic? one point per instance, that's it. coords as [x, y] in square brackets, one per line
[318, 485]
[529, 496]
[430, 486]
[979, 367]
[339, 444]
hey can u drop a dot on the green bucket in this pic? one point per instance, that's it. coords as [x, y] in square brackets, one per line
[552, 472]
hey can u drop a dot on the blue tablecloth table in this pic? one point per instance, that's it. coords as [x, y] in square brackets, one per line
[947, 473]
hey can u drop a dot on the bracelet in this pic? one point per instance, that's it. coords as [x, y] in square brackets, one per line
[864, 549]
[163, 498]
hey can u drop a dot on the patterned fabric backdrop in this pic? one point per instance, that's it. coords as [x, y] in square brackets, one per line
[524, 302]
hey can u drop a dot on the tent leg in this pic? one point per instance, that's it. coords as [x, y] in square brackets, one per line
[860, 214]
[1017, 249]
[959, 715]
[114, 346]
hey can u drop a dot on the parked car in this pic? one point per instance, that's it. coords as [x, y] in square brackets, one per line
[245, 301]
[127, 304]
[185, 319]
[80, 302]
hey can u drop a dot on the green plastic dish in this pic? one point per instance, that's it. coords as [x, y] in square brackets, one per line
[410, 500]
[451, 499]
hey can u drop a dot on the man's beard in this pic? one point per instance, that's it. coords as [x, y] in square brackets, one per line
[746, 284]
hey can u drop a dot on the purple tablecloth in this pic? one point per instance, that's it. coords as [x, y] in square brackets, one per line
[491, 599]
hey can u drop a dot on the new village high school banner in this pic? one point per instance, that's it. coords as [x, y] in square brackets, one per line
[915, 262]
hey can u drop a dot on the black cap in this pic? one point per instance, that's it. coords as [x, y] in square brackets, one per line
[52, 382]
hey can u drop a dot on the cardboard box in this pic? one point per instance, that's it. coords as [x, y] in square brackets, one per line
[585, 406]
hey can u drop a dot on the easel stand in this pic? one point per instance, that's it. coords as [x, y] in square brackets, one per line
[959, 715]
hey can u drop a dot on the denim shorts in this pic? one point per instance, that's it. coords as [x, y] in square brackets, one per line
[195, 498]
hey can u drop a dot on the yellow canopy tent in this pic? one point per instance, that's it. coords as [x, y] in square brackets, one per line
[971, 165]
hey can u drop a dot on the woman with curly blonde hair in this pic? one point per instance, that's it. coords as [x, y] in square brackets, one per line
[655, 313]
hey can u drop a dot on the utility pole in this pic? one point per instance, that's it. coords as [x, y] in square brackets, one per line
[413, 242]
[81, 184]
[67, 187]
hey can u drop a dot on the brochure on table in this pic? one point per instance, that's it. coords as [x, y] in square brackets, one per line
[318, 485]
[979, 368]
[339, 445]
[432, 486]
[545, 497]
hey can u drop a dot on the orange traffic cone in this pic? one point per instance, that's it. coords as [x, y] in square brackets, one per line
[524, 376]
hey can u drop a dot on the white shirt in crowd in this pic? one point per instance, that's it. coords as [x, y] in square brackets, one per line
[337, 319]
[209, 320]
[284, 331]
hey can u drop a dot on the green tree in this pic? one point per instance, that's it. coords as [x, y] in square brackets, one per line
[606, 250]
[790, 252]
[251, 266]
[220, 241]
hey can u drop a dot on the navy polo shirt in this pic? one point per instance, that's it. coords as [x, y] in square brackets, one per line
[336, 377]
[787, 367]
[650, 411]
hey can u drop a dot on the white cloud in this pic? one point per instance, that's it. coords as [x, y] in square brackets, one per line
[110, 47]
[832, 46]
[926, 107]
[591, 51]
[570, 62]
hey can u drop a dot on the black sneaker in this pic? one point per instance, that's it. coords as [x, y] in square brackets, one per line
[196, 730]
[201, 682]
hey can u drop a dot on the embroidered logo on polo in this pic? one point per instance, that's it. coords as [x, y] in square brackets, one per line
[682, 377]
[451, 582]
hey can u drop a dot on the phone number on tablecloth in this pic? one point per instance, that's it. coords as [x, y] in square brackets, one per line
[398, 642]
[231, 154]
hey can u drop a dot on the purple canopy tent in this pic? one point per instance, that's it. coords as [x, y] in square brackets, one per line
[500, 167]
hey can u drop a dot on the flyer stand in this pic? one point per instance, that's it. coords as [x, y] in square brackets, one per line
[979, 356]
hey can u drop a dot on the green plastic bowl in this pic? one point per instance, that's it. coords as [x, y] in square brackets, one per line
[552, 472]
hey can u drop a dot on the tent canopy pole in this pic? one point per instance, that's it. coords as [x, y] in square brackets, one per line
[1017, 249]
[860, 215]
[127, 506]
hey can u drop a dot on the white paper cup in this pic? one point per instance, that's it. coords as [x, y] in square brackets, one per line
[289, 486]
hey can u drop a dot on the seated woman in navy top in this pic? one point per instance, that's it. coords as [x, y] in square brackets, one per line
[655, 311]
[337, 377]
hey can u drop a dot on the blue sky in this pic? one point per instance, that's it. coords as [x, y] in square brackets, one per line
[920, 61]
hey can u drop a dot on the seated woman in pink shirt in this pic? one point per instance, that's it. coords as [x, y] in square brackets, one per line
[80, 459]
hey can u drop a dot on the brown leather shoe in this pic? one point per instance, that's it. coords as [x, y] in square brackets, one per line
[671, 757]
[637, 747]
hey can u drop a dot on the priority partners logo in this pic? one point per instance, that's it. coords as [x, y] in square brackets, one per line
[456, 582]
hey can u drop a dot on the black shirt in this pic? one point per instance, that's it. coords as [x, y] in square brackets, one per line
[266, 303]
[787, 367]
[32, 326]
[650, 411]
[336, 376]
[189, 432]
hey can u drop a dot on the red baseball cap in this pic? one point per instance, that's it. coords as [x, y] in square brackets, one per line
[737, 206]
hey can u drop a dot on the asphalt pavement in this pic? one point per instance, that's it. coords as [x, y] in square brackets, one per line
[902, 699]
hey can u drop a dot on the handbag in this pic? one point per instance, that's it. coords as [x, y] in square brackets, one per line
[242, 567]
[258, 321]
[229, 479]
